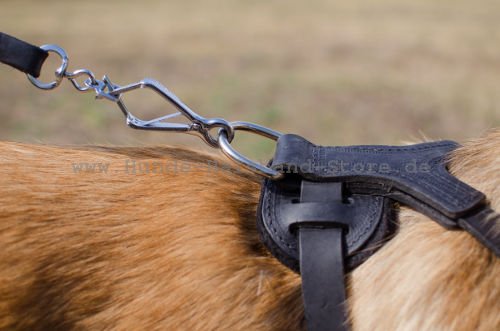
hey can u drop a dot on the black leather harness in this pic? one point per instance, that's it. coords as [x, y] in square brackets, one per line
[336, 207]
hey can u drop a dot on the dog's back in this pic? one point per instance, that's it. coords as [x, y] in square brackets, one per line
[164, 238]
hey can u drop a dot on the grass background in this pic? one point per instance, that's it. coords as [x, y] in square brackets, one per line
[336, 72]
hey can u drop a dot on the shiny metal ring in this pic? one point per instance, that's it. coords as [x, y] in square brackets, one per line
[257, 129]
[212, 123]
[245, 162]
[59, 73]
[90, 82]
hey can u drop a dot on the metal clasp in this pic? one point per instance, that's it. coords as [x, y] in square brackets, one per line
[216, 132]
[198, 124]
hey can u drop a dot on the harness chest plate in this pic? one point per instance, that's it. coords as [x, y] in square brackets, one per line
[335, 206]
[367, 220]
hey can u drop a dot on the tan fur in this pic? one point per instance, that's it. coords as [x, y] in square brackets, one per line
[179, 250]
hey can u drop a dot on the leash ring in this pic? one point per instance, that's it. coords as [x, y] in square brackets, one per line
[59, 73]
[242, 160]
[213, 123]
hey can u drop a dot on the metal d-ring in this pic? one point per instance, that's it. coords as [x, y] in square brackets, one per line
[59, 73]
[242, 160]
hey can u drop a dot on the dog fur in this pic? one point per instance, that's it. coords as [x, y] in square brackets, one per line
[178, 250]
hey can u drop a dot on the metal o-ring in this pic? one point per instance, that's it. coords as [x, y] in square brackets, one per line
[59, 73]
[235, 156]
[213, 123]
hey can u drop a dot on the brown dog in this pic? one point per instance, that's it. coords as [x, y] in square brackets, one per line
[162, 239]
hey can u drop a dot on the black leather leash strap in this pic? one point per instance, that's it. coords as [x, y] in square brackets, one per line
[414, 175]
[321, 246]
[21, 55]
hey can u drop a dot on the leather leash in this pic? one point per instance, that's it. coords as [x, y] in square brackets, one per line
[21, 55]
[323, 210]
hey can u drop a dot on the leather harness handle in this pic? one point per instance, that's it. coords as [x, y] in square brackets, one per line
[418, 171]
[414, 175]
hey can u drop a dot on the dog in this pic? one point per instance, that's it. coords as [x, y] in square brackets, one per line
[160, 238]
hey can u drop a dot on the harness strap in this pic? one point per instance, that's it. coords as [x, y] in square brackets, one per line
[21, 55]
[321, 246]
[322, 271]
[414, 175]
[484, 226]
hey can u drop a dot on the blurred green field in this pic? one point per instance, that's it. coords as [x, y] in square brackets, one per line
[337, 72]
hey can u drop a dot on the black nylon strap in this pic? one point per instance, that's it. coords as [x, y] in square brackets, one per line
[21, 55]
[322, 271]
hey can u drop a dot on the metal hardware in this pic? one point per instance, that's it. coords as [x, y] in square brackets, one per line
[216, 132]
[245, 162]
[59, 73]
